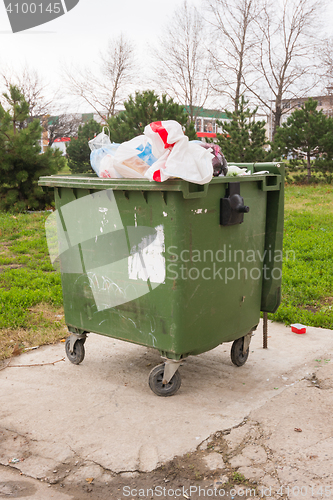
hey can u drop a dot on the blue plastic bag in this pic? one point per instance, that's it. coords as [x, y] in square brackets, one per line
[101, 160]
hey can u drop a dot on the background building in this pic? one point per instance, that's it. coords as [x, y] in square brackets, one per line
[325, 103]
[205, 122]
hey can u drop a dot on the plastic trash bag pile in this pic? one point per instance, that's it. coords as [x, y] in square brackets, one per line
[162, 152]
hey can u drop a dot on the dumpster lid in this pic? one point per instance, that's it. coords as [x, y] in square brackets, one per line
[189, 190]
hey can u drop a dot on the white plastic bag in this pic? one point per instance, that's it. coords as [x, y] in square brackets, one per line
[234, 171]
[133, 158]
[102, 161]
[177, 157]
[101, 140]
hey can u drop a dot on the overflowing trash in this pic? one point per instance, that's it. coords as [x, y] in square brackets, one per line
[162, 152]
[234, 171]
[101, 140]
[133, 158]
[101, 161]
[219, 162]
[176, 155]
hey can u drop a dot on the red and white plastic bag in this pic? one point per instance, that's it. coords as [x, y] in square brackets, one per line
[176, 156]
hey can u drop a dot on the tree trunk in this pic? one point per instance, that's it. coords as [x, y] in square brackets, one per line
[308, 167]
[277, 115]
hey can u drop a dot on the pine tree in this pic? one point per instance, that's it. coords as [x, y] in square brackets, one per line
[21, 161]
[147, 107]
[243, 139]
[78, 150]
[306, 134]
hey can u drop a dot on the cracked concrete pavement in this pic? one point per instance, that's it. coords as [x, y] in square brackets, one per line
[270, 420]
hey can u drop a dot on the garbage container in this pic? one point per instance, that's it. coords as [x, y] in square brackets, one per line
[175, 266]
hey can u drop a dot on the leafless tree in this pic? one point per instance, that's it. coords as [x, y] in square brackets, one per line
[63, 125]
[232, 24]
[181, 60]
[325, 66]
[106, 87]
[282, 58]
[32, 85]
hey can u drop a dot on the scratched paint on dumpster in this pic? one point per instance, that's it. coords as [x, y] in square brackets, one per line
[120, 263]
[147, 259]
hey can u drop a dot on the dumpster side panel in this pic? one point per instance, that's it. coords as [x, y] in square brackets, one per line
[271, 289]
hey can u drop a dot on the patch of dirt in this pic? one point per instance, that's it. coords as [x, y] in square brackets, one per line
[187, 477]
[4, 267]
[5, 244]
[5, 253]
[15, 489]
[314, 382]
[312, 309]
[48, 313]
[46, 326]
[154, 486]
[183, 477]
[324, 304]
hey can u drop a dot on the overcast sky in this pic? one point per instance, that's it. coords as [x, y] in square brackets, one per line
[79, 35]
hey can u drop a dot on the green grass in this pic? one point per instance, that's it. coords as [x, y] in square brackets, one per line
[30, 289]
[307, 282]
[296, 173]
[65, 170]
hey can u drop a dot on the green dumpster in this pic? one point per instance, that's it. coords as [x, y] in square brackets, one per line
[175, 266]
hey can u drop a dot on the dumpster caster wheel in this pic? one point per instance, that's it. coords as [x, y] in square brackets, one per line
[77, 356]
[156, 382]
[237, 356]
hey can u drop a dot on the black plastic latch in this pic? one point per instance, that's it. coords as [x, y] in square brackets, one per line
[232, 208]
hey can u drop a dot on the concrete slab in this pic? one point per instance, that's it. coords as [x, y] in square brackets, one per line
[294, 433]
[102, 413]
[14, 485]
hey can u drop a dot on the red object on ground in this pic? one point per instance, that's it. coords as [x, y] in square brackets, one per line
[298, 328]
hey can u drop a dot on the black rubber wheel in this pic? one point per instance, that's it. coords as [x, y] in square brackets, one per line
[77, 356]
[237, 356]
[155, 382]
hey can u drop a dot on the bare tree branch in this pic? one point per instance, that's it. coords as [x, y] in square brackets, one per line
[108, 86]
[282, 58]
[32, 86]
[182, 66]
[231, 22]
[325, 66]
[63, 125]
